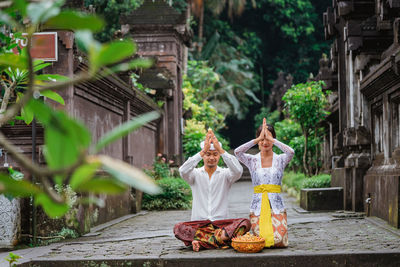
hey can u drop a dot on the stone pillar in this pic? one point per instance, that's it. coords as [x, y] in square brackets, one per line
[10, 221]
[358, 161]
[161, 33]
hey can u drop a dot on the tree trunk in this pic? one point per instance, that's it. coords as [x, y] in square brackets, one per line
[201, 24]
[185, 49]
[305, 166]
[7, 94]
[316, 153]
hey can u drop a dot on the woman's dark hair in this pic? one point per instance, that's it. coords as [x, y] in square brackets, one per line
[269, 127]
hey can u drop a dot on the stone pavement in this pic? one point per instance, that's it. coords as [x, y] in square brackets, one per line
[146, 239]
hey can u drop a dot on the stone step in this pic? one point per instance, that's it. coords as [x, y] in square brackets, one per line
[256, 259]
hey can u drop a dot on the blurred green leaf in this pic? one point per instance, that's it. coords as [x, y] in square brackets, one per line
[53, 96]
[42, 11]
[125, 128]
[74, 139]
[13, 60]
[71, 20]
[52, 209]
[113, 53]
[92, 200]
[134, 64]
[83, 174]
[85, 41]
[39, 64]
[17, 188]
[102, 186]
[27, 115]
[129, 175]
[19, 6]
[26, 111]
[7, 19]
[74, 136]
[42, 111]
[51, 77]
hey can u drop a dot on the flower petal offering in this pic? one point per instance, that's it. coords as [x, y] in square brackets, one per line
[248, 243]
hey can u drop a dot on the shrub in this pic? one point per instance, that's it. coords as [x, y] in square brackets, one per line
[160, 168]
[195, 132]
[319, 181]
[293, 179]
[176, 195]
[293, 182]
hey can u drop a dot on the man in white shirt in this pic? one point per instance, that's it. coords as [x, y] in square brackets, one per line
[209, 226]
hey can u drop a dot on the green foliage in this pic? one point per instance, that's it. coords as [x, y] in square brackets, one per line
[272, 117]
[17, 176]
[52, 208]
[319, 181]
[68, 148]
[307, 104]
[58, 126]
[102, 186]
[201, 79]
[74, 21]
[17, 188]
[127, 174]
[293, 182]
[176, 195]
[13, 258]
[67, 233]
[125, 129]
[235, 91]
[160, 168]
[136, 84]
[297, 33]
[195, 133]
[198, 86]
[287, 130]
[292, 18]
[111, 11]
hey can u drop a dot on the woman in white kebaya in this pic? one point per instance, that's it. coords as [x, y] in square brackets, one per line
[267, 211]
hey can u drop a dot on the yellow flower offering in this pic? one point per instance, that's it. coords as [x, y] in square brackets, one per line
[248, 243]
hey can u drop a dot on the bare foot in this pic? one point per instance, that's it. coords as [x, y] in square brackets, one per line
[225, 236]
[196, 245]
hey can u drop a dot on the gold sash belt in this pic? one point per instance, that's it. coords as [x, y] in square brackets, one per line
[265, 222]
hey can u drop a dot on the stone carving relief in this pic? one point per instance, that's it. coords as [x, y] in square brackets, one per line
[10, 221]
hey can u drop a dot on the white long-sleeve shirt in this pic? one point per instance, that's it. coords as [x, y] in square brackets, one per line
[210, 196]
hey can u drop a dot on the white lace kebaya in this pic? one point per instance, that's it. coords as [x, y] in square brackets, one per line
[260, 175]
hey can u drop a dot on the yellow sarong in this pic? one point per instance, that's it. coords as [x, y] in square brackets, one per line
[265, 222]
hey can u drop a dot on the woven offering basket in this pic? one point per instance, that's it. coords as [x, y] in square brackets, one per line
[248, 243]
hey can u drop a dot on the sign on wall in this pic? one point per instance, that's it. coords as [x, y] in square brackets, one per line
[44, 45]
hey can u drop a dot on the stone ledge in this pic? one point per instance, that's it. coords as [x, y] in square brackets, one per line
[317, 199]
[257, 259]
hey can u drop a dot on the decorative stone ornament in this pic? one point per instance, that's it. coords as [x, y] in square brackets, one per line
[10, 221]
